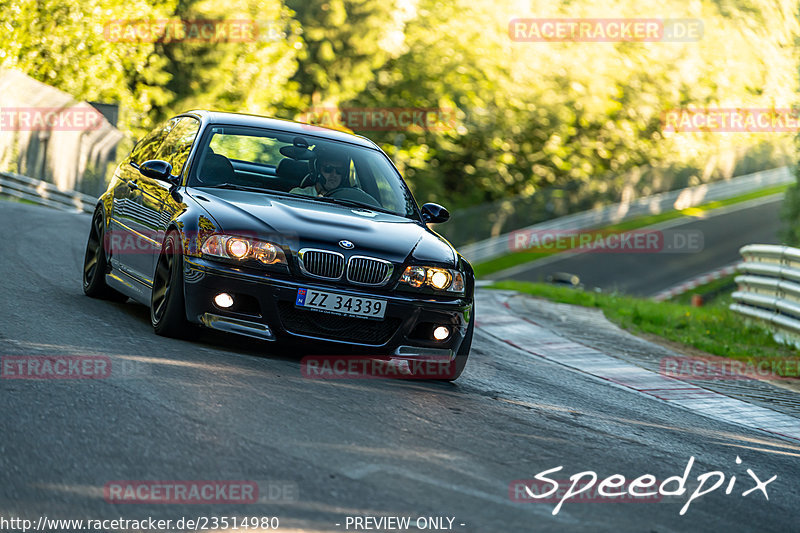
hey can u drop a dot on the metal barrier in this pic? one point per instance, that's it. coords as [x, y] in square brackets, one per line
[44, 193]
[769, 287]
[659, 203]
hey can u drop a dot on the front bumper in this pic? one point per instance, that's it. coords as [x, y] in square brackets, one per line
[268, 312]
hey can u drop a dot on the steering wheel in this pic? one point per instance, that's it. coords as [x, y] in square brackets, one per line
[356, 195]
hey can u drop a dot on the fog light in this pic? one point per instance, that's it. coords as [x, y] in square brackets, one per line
[223, 300]
[441, 333]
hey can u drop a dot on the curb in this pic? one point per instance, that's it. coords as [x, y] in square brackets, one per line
[702, 279]
[504, 325]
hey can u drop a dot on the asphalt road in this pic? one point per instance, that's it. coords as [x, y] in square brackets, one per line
[646, 274]
[221, 408]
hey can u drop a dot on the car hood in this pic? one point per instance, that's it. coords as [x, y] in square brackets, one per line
[301, 223]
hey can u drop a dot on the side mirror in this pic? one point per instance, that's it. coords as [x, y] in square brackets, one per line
[434, 213]
[157, 169]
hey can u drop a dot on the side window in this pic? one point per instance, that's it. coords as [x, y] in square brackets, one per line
[146, 148]
[176, 147]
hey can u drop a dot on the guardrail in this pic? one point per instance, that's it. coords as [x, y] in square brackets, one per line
[769, 287]
[44, 193]
[659, 203]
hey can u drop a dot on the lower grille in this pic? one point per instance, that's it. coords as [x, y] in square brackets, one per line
[342, 328]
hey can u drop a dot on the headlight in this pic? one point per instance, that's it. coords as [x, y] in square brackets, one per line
[237, 248]
[440, 279]
[414, 276]
[241, 248]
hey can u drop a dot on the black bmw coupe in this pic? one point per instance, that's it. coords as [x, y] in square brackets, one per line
[281, 231]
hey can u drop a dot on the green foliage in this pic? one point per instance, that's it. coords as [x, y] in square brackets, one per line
[67, 44]
[62, 43]
[580, 119]
[790, 213]
[249, 73]
[344, 41]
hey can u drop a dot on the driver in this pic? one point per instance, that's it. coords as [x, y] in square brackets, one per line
[330, 170]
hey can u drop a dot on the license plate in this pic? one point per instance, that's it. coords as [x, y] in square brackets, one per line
[340, 304]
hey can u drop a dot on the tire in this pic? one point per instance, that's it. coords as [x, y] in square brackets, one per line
[95, 264]
[167, 306]
[462, 355]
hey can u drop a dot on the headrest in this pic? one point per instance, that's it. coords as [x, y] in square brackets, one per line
[290, 168]
[216, 169]
[298, 150]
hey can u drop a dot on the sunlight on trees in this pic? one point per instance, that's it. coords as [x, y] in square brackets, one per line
[580, 118]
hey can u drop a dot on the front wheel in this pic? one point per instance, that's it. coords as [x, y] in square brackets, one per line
[167, 307]
[95, 264]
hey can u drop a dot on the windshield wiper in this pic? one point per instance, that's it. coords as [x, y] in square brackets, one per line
[354, 203]
[233, 186]
[237, 187]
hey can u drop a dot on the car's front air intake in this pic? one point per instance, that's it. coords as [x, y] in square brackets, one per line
[368, 271]
[321, 263]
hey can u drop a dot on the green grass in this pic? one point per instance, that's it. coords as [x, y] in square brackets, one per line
[713, 329]
[10, 198]
[716, 293]
[518, 258]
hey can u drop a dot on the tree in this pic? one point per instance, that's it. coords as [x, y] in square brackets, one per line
[64, 44]
[581, 117]
[344, 42]
[245, 66]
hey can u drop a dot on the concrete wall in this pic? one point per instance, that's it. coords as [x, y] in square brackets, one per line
[48, 135]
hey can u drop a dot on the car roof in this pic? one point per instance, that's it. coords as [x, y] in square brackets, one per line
[257, 121]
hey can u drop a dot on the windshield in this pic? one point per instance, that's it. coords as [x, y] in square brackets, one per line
[306, 166]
